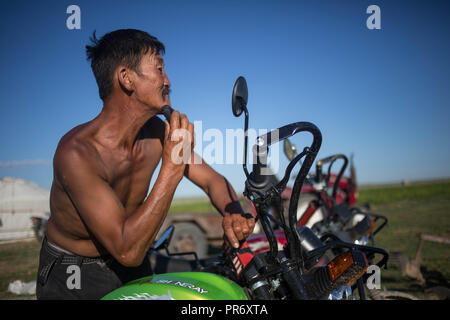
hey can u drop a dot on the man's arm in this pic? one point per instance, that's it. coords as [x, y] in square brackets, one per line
[127, 238]
[236, 226]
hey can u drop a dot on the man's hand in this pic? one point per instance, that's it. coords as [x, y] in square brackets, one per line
[237, 227]
[178, 144]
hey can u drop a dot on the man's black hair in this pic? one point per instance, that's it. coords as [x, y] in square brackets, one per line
[126, 47]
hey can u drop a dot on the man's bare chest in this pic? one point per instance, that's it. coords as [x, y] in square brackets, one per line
[130, 176]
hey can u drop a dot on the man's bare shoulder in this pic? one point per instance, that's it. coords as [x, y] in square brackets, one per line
[76, 151]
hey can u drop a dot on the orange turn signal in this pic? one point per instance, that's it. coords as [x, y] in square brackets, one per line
[348, 267]
[340, 264]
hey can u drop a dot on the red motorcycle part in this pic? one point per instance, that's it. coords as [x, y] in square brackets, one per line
[240, 258]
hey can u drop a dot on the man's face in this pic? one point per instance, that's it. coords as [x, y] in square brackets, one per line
[151, 83]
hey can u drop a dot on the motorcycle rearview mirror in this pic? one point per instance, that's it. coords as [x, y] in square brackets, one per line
[240, 96]
[290, 150]
[239, 101]
[164, 240]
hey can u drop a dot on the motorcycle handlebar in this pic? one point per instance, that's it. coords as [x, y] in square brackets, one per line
[326, 160]
[258, 183]
[281, 133]
[311, 153]
[331, 160]
[264, 141]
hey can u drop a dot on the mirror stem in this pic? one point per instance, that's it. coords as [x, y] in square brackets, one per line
[245, 141]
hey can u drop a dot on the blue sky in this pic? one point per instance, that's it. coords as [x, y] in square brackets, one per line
[382, 95]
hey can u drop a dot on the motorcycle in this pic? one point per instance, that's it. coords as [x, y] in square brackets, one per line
[327, 204]
[331, 211]
[306, 267]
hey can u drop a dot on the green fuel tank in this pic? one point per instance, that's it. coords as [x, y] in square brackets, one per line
[179, 286]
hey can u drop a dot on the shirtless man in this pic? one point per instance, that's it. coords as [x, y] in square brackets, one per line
[101, 223]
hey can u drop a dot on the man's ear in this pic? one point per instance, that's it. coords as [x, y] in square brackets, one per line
[124, 78]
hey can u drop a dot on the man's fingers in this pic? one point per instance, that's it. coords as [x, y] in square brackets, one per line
[175, 120]
[232, 238]
[167, 130]
[192, 133]
[183, 121]
[229, 232]
[238, 228]
[251, 223]
[244, 228]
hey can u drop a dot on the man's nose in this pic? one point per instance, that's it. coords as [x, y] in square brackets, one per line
[166, 81]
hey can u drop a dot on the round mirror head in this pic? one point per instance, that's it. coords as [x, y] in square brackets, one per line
[240, 96]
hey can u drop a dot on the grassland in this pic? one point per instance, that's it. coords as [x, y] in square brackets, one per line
[194, 205]
[411, 210]
[18, 261]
